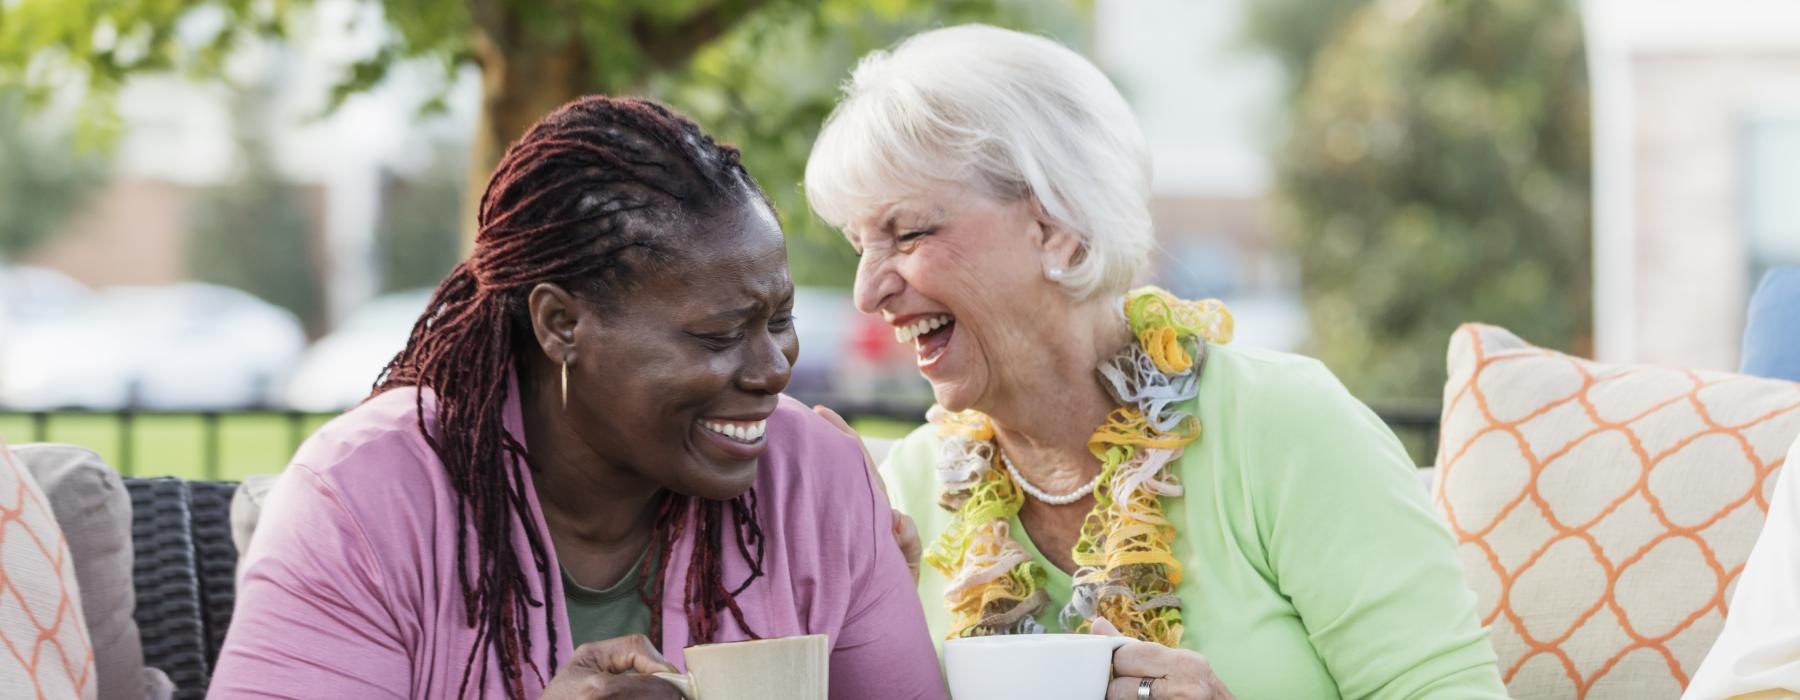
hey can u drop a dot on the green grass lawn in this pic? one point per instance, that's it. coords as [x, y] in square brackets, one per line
[175, 445]
[261, 443]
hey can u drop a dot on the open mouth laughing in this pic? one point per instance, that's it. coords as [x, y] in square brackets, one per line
[929, 334]
[734, 438]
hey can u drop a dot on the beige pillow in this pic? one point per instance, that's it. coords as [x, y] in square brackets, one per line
[1601, 511]
[246, 510]
[94, 511]
[47, 653]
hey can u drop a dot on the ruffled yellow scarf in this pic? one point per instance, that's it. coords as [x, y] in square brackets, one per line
[1126, 570]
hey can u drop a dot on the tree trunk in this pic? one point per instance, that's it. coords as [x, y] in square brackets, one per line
[524, 77]
[520, 83]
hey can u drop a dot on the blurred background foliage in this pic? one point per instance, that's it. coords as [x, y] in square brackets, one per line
[1435, 171]
[43, 177]
[1431, 157]
[758, 73]
[769, 84]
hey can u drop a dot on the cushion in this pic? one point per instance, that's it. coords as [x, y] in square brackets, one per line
[1772, 327]
[246, 509]
[94, 511]
[47, 650]
[1601, 511]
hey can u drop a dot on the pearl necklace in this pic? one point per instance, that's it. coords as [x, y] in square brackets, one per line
[1039, 494]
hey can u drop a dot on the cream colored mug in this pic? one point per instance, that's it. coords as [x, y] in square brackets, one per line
[785, 668]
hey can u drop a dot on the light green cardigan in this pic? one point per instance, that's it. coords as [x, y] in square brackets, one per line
[1315, 566]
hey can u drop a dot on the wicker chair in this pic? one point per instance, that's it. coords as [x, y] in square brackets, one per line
[181, 538]
[217, 558]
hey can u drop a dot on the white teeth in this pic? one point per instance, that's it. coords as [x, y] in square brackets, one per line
[907, 333]
[741, 431]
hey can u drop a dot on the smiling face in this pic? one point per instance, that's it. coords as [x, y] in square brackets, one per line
[960, 276]
[675, 378]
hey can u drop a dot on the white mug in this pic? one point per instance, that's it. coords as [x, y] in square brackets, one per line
[785, 668]
[1036, 666]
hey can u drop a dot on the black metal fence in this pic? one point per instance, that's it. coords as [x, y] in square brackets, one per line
[1417, 427]
[126, 431]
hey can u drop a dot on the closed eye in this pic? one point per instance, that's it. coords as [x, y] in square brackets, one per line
[906, 242]
[718, 342]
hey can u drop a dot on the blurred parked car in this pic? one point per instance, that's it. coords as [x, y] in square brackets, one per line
[36, 316]
[187, 346]
[63, 362]
[30, 293]
[219, 347]
[338, 371]
[849, 359]
[822, 319]
[836, 363]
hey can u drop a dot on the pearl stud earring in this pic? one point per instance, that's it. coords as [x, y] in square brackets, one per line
[1055, 274]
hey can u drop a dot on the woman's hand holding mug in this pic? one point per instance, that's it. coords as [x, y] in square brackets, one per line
[1148, 670]
[615, 668]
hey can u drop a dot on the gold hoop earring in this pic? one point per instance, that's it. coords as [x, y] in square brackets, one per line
[565, 385]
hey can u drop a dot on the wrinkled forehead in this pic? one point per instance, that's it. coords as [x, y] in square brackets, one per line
[743, 240]
[734, 259]
[904, 211]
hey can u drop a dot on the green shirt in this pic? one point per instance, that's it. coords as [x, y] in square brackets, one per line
[604, 613]
[1315, 565]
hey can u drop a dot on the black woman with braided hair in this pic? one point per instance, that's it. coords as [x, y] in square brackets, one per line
[582, 462]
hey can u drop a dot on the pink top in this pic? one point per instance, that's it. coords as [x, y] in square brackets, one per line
[349, 587]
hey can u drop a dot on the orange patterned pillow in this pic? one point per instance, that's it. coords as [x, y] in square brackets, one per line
[44, 648]
[1602, 512]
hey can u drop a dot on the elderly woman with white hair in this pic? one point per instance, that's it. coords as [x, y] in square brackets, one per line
[996, 187]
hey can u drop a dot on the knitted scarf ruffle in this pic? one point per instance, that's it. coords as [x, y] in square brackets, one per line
[1126, 569]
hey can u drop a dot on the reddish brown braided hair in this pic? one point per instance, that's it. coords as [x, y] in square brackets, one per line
[583, 200]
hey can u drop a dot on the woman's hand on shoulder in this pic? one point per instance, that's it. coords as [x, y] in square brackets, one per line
[1174, 674]
[614, 668]
[906, 532]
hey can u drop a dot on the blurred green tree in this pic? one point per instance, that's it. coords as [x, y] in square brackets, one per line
[42, 180]
[1294, 31]
[787, 57]
[250, 234]
[1437, 171]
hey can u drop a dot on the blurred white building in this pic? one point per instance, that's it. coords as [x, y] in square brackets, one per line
[1697, 171]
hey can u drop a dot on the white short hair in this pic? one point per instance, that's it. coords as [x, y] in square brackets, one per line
[1014, 115]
